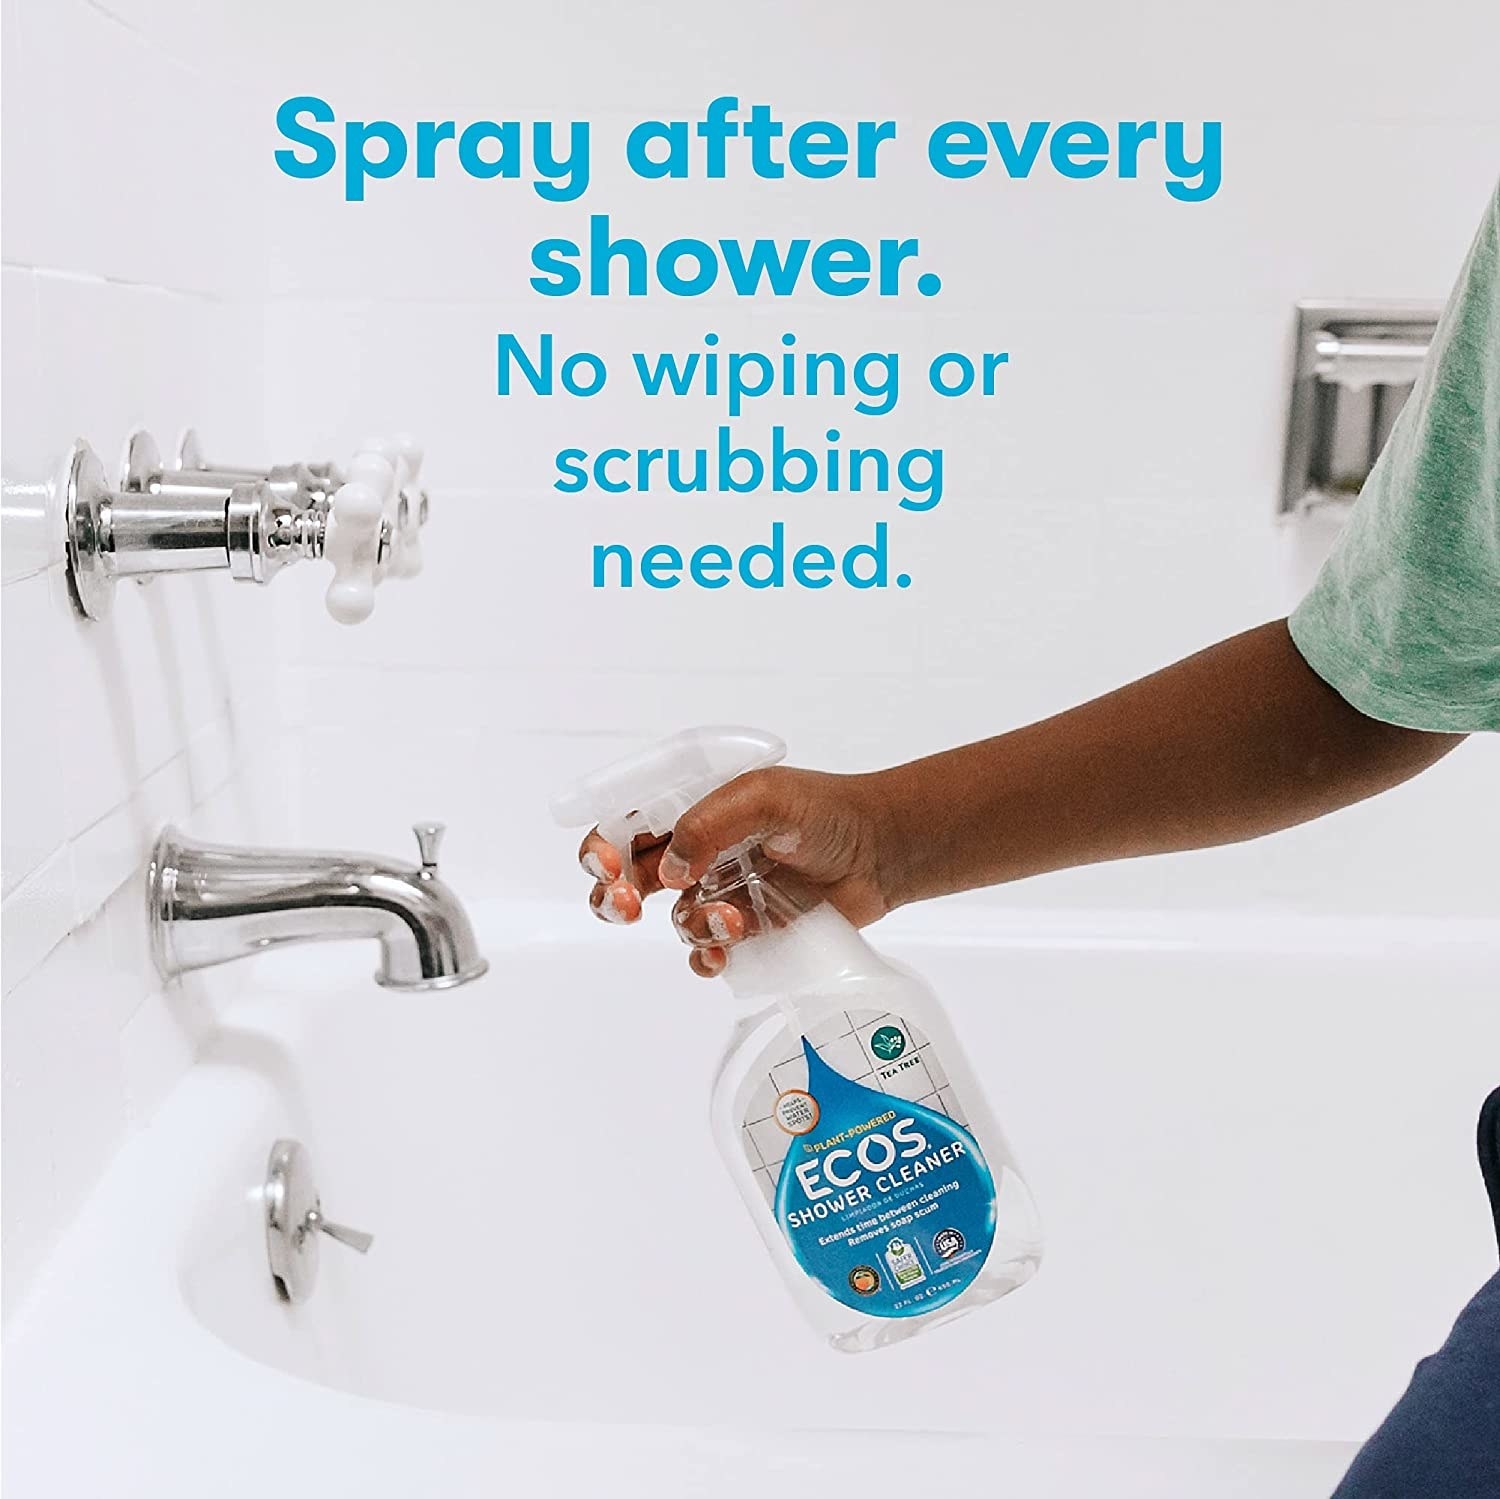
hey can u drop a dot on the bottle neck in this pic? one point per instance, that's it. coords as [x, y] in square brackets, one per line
[818, 953]
[795, 944]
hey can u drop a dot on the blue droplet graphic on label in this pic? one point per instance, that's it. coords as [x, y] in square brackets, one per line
[887, 1204]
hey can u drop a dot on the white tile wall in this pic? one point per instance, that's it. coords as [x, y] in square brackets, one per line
[119, 310]
[1113, 512]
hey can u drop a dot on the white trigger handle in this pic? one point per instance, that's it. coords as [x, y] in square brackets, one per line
[404, 453]
[352, 544]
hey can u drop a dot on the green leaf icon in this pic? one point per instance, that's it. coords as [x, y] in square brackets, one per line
[888, 1043]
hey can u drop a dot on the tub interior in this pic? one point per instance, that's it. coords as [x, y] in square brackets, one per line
[1254, 1169]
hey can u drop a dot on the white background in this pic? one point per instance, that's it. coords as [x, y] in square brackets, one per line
[1113, 510]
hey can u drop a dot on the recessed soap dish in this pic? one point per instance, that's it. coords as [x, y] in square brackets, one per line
[1355, 366]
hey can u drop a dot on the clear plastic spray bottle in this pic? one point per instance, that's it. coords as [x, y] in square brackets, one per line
[844, 1107]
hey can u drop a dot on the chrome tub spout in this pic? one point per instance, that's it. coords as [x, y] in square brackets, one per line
[212, 903]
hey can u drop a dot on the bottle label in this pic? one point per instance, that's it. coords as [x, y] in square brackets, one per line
[880, 1190]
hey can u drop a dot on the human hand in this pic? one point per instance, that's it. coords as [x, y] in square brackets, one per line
[830, 831]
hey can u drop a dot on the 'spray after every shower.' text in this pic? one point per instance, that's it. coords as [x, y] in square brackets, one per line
[557, 161]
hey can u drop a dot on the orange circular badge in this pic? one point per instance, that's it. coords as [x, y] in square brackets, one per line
[796, 1111]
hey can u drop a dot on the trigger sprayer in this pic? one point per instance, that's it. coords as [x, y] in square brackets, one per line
[646, 793]
[844, 1107]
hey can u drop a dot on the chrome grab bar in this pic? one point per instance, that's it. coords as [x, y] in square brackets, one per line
[1356, 363]
[1353, 368]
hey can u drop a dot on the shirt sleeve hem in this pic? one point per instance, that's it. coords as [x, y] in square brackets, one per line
[1369, 697]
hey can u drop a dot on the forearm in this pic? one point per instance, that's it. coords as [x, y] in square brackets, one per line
[1238, 740]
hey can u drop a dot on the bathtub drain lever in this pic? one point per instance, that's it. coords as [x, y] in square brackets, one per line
[350, 1236]
[295, 1222]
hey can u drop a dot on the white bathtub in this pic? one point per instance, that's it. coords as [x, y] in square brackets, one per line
[1251, 1141]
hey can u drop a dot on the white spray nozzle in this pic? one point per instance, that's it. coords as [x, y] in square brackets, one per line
[648, 791]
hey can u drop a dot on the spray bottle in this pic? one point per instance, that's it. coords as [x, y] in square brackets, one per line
[844, 1107]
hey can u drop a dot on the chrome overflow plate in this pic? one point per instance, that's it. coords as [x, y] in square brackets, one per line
[295, 1222]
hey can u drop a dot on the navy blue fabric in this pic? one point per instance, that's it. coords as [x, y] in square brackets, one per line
[1442, 1441]
[1489, 1154]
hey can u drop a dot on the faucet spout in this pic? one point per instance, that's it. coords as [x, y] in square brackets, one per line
[212, 903]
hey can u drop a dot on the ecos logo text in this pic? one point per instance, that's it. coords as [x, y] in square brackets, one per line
[876, 1152]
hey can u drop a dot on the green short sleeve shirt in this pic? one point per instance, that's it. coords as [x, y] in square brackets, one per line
[1404, 619]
